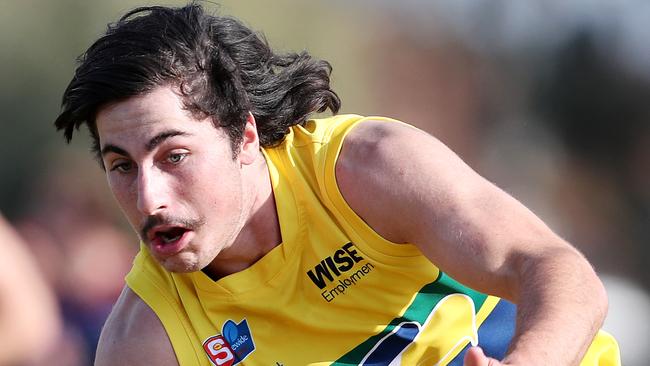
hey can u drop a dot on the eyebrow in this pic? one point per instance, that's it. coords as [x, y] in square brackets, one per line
[114, 149]
[153, 142]
[159, 138]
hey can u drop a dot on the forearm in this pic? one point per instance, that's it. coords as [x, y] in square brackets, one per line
[561, 305]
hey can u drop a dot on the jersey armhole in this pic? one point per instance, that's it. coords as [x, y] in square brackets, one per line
[167, 310]
[366, 238]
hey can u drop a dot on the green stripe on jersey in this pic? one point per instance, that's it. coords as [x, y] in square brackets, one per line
[418, 311]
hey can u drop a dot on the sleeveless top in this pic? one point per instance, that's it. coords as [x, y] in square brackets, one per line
[333, 292]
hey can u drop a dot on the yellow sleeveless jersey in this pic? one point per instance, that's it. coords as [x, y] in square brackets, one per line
[334, 292]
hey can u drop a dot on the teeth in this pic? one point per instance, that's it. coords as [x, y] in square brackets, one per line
[169, 240]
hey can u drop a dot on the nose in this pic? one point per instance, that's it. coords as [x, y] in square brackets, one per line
[152, 192]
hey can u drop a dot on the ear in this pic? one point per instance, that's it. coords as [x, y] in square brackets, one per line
[250, 146]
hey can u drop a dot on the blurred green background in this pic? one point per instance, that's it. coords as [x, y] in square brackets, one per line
[548, 99]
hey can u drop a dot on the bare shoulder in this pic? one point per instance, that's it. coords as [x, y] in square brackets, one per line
[380, 164]
[411, 188]
[133, 335]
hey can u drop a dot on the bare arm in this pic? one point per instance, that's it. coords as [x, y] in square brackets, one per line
[28, 310]
[478, 234]
[133, 335]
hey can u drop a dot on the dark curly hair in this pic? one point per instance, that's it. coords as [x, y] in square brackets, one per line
[221, 68]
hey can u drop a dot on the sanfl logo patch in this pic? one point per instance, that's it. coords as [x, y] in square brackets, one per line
[232, 346]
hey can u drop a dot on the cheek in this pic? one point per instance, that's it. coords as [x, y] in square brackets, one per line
[123, 194]
[217, 190]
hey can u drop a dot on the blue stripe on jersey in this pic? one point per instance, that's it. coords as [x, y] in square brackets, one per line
[495, 333]
[391, 346]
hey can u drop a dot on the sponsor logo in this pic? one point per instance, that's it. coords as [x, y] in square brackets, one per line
[331, 271]
[343, 284]
[232, 346]
[341, 261]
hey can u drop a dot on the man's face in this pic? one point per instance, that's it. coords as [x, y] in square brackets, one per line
[174, 177]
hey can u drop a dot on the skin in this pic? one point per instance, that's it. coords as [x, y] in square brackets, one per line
[190, 175]
[479, 235]
[162, 163]
[29, 313]
[461, 222]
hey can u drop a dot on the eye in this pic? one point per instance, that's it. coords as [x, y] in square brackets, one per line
[176, 158]
[122, 166]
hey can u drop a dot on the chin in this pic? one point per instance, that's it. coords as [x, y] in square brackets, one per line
[181, 264]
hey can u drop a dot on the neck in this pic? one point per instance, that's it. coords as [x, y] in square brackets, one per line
[261, 229]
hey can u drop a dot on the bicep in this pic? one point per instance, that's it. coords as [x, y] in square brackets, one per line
[411, 188]
[133, 335]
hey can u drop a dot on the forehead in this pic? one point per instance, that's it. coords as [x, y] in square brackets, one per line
[144, 116]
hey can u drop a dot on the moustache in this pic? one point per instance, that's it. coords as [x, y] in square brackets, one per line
[168, 220]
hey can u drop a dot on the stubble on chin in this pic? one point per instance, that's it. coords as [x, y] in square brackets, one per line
[181, 263]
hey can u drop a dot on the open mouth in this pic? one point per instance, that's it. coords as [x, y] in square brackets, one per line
[167, 236]
[170, 235]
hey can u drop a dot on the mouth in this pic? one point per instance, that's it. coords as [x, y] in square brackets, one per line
[167, 235]
[171, 235]
[168, 240]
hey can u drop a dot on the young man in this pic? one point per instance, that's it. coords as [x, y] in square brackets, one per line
[271, 239]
